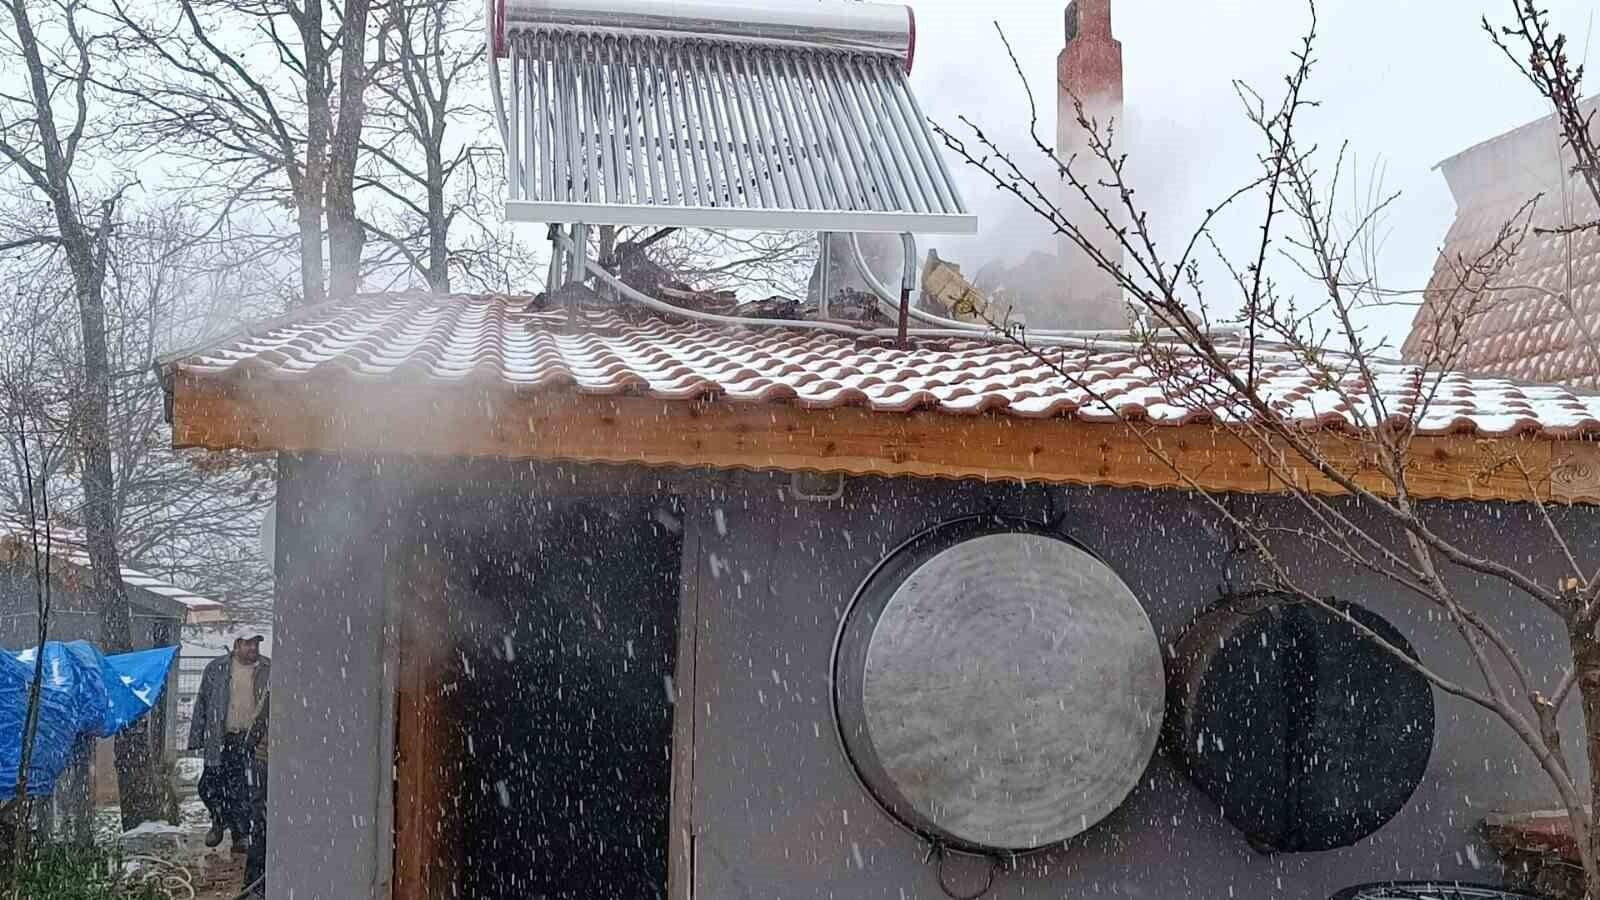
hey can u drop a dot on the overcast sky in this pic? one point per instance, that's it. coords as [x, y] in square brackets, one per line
[1406, 82]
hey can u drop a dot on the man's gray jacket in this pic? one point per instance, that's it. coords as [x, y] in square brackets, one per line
[209, 721]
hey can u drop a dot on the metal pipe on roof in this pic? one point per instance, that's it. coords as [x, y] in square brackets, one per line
[705, 146]
[661, 306]
[788, 147]
[829, 179]
[908, 244]
[739, 183]
[836, 24]
[547, 140]
[895, 167]
[680, 124]
[888, 304]
[1095, 339]
[886, 300]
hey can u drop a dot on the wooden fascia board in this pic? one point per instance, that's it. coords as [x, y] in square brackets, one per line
[497, 421]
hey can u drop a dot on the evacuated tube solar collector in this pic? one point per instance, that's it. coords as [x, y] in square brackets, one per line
[717, 115]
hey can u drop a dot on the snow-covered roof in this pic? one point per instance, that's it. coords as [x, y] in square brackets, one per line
[67, 544]
[410, 339]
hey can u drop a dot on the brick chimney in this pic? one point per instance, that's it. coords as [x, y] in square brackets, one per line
[1089, 70]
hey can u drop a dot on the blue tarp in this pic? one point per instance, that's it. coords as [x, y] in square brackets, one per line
[86, 694]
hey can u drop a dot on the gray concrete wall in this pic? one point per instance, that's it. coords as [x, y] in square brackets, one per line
[776, 811]
[325, 834]
[73, 616]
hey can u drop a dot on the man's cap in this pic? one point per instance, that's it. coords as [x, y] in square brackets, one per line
[248, 638]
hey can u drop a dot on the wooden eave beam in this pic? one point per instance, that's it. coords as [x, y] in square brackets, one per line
[494, 420]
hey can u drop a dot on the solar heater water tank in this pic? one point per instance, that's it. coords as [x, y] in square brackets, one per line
[869, 27]
[717, 115]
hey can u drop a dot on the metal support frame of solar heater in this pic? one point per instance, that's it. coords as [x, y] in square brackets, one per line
[824, 261]
[570, 273]
[711, 114]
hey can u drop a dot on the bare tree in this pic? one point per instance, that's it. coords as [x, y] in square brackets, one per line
[1360, 504]
[35, 446]
[248, 91]
[346, 236]
[191, 518]
[34, 344]
[35, 425]
[42, 138]
[773, 262]
[422, 140]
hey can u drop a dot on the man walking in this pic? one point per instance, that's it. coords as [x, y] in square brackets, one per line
[231, 690]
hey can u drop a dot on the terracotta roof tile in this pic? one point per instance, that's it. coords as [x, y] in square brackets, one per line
[412, 339]
[1536, 326]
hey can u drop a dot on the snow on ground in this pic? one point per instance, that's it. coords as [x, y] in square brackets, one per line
[214, 874]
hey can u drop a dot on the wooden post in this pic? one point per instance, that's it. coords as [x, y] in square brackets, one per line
[681, 837]
[424, 830]
[161, 747]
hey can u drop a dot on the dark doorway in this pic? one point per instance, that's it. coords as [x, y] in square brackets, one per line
[557, 691]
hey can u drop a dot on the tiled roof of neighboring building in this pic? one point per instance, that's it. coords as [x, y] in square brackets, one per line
[412, 339]
[1542, 320]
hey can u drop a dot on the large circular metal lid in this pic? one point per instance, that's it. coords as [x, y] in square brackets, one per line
[997, 688]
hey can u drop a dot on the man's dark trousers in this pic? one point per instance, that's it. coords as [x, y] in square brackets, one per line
[255, 861]
[224, 788]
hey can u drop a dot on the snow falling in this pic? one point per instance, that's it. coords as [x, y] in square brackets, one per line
[730, 451]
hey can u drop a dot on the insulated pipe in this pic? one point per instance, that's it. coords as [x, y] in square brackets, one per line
[886, 301]
[1087, 339]
[836, 24]
[650, 302]
[886, 305]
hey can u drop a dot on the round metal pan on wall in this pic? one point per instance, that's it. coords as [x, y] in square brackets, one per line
[997, 688]
[1429, 890]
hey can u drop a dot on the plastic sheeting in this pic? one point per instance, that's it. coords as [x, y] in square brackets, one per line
[86, 694]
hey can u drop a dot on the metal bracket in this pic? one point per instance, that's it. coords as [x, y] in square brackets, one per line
[825, 239]
[817, 487]
[939, 852]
